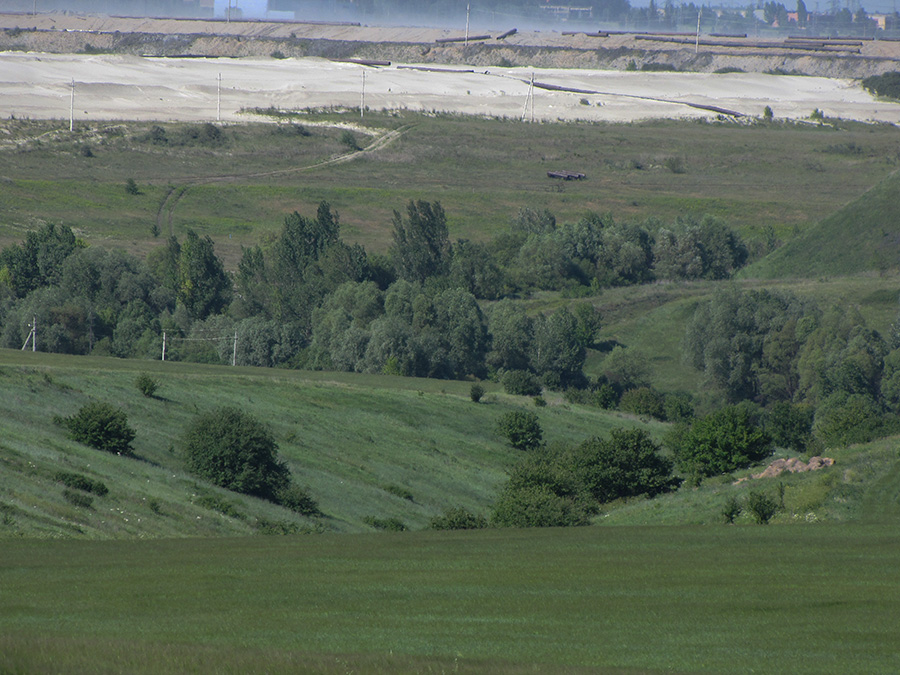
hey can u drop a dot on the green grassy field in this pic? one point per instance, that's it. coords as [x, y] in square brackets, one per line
[784, 176]
[675, 599]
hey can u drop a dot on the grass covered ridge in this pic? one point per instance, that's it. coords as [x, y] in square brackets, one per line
[862, 236]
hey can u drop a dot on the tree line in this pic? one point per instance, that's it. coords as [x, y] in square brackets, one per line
[309, 299]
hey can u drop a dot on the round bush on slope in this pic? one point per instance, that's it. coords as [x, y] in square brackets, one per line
[233, 450]
[101, 426]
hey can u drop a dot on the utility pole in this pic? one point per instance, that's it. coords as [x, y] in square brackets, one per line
[467, 26]
[362, 98]
[697, 45]
[164, 346]
[530, 97]
[72, 108]
[219, 98]
[234, 351]
[32, 335]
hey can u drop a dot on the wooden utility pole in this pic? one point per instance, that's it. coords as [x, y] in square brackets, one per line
[697, 44]
[32, 335]
[467, 26]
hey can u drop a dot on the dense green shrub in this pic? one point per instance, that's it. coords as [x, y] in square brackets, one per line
[843, 419]
[348, 138]
[206, 134]
[790, 425]
[761, 507]
[78, 482]
[388, 524]
[146, 385]
[232, 449]
[543, 491]
[101, 426]
[296, 499]
[476, 392]
[644, 401]
[458, 518]
[678, 407]
[521, 383]
[536, 506]
[521, 429]
[732, 509]
[78, 499]
[625, 465]
[399, 491]
[723, 441]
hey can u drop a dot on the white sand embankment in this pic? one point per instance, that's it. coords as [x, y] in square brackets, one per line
[115, 87]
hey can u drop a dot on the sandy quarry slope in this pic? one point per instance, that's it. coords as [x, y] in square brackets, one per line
[149, 75]
[118, 87]
[61, 33]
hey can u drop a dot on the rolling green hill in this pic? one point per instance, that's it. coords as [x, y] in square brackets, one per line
[238, 186]
[863, 236]
[365, 447]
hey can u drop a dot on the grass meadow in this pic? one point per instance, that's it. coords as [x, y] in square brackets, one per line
[785, 176]
[631, 599]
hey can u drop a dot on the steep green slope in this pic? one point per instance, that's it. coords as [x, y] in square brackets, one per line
[863, 236]
[359, 444]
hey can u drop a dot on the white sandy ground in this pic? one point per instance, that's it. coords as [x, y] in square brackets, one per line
[116, 87]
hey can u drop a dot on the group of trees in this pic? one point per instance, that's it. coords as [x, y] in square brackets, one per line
[560, 485]
[822, 375]
[308, 299]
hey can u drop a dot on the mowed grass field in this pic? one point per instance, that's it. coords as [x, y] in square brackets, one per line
[676, 599]
[758, 176]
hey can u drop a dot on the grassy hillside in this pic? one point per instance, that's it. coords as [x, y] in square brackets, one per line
[238, 188]
[376, 446]
[364, 446]
[861, 237]
[583, 600]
